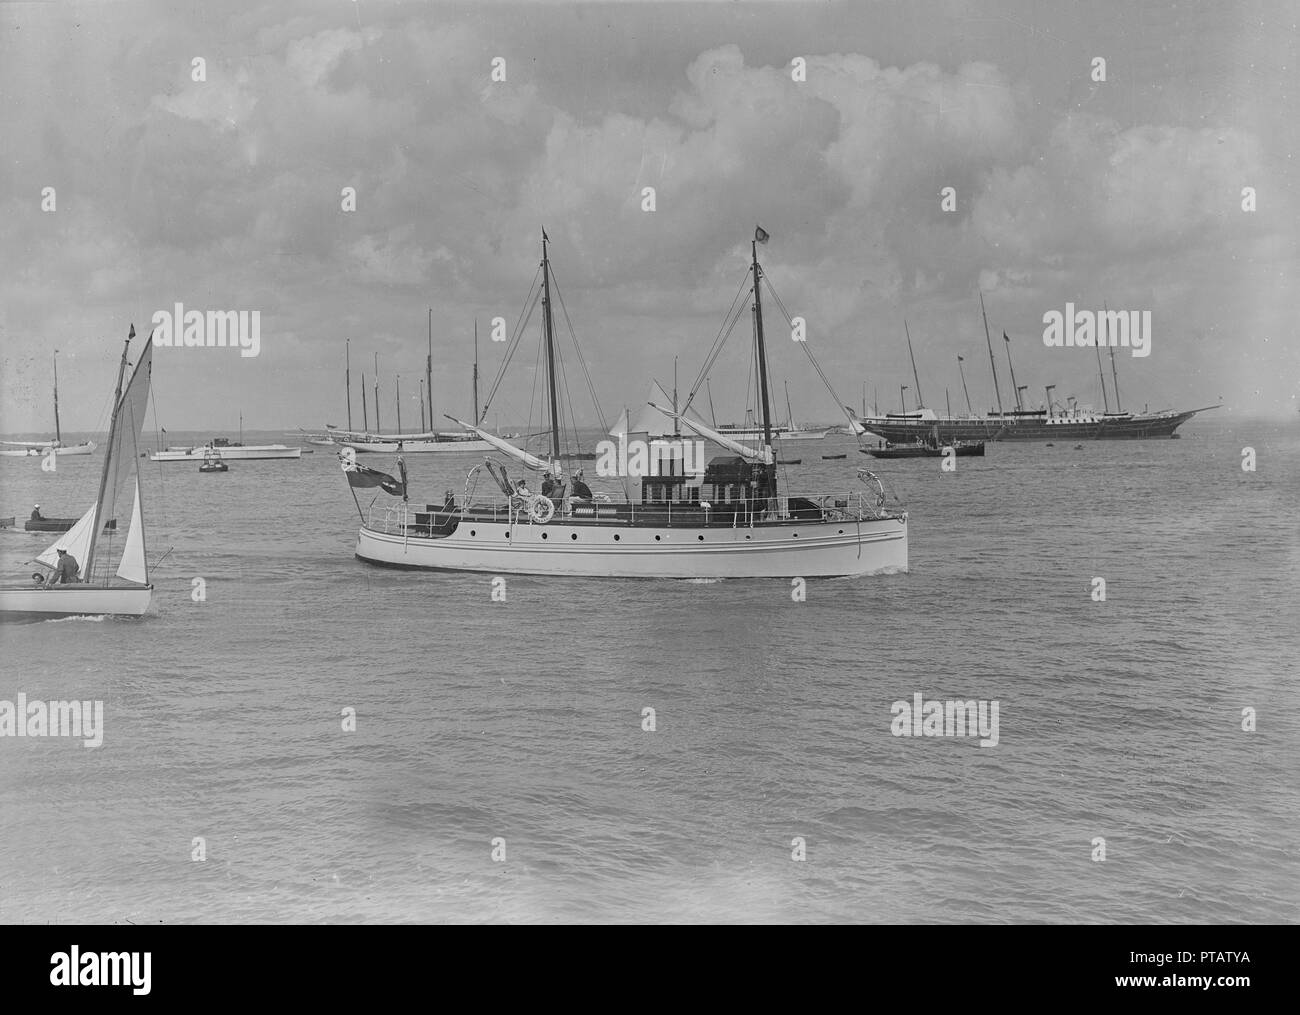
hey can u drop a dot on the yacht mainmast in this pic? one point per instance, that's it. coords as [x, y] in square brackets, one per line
[550, 350]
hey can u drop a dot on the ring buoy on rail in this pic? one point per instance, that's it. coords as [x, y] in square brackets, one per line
[540, 508]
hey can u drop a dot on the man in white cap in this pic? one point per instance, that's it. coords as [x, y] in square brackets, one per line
[66, 569]
[36, 513]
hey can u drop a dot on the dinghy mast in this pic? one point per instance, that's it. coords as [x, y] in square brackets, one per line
[108, 457]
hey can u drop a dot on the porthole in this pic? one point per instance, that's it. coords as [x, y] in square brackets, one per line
[700, 538]
[573, 535]
[657, 538]
[507, 533]
[543, 535]
[616, 537]
[472, 532]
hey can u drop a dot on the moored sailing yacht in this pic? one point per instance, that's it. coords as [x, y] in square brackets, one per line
[732, 521]
[33, 449]
[102, 590]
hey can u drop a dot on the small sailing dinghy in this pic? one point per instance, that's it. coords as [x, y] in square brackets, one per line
[728, 519]
[101, 590]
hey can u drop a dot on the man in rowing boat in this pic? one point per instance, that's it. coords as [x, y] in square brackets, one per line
[36, 514]
[66, 569]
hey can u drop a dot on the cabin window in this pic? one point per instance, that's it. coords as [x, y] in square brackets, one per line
[657, 538]
[472, 532]
[573, 535]
[543, 535]
[701, 538]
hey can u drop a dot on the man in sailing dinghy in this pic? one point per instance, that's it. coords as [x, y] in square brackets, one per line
[66, 569]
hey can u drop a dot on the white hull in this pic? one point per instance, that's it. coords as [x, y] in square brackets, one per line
[792, 549]
[228, 454]
[73, 601]
[419, 447]
[803, 435]
[39, 450]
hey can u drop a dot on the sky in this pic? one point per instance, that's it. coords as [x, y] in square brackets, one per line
[226, 194]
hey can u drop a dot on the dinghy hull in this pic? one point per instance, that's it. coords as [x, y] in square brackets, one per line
[74, 601]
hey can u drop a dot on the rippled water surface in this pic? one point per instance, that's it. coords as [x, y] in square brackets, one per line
[523, 720]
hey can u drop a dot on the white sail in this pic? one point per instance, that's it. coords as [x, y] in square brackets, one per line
[763, 455]
[620, 428]
[519, 454]
[123, 452]
[133, 567]
[76, 541]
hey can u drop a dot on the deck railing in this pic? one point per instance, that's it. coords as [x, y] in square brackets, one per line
[853, 505]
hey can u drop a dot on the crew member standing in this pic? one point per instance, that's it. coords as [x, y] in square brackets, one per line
[66, 570]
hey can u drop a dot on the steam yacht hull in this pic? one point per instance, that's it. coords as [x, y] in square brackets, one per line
[573, 547]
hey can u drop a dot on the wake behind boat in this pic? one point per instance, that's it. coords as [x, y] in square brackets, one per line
[732, 521]
[101, 589]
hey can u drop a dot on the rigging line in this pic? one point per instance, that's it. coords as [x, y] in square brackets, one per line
[529, 306]
[724, 332]
[162, 489]
[562, 381]
[532, 397]
[525, 315]
[808, 352]
[730, 326]
[582, 361]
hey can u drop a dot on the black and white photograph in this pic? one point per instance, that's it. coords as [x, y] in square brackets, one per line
[650, 463]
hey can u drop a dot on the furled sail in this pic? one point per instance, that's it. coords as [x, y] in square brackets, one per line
[519, 454]
[133, 567]
[763, 454]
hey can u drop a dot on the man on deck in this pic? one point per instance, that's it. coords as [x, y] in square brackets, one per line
[66, 570]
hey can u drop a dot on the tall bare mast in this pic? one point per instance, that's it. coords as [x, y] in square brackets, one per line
[347, 376]
[550, 350]
[989, 342]
[379, 427]
[398, 399]
[762, 350]
[58, 434]
[428, 375]
[1006, 338]
[108, 458]
[1102, 375]
[961, 371]
[1119, 407]
[920, 402]
[365, 417]
[421, 402]
[477, 415]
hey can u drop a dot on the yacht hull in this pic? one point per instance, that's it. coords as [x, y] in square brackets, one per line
[787, 550]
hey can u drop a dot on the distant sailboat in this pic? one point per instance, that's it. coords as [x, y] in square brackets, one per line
[102, 590]
[36, 449]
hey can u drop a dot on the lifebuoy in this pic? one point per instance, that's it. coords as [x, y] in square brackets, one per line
[541, 508]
